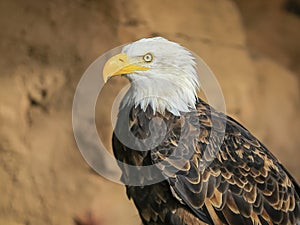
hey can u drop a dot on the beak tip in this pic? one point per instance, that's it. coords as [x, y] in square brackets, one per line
[113, 66]
[106, 78]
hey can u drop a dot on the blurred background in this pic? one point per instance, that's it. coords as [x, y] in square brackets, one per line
[252, 46]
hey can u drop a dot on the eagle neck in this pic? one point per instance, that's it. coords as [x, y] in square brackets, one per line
[161, 99]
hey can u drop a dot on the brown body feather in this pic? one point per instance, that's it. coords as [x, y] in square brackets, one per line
[209, 179]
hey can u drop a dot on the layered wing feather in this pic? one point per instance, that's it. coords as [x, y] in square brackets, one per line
[215, 171]
[231, 174]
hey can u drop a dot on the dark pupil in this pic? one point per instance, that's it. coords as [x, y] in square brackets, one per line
[147, 57]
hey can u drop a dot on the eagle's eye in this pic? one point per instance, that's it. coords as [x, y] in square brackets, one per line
[148, 57]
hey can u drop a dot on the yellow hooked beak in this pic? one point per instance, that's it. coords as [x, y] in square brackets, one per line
[120, 64]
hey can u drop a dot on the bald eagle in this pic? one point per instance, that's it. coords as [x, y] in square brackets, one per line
[203, 178]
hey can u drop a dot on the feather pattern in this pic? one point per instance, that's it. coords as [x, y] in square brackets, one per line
[208, 180]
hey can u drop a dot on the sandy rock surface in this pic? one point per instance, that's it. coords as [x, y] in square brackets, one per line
[46, 47]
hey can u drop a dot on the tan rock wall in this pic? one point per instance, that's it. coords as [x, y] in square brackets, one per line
[46, 46]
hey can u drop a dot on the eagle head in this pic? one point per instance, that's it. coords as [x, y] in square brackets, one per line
[162, 75]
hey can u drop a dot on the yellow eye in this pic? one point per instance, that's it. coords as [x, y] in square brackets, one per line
[148, 57]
